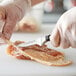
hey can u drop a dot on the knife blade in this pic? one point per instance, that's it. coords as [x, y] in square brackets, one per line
[40, 41]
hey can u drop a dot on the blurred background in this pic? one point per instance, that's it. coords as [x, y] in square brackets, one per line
[51, 10]
[45, 13]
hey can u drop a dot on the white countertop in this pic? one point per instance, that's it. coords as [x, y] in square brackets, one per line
[10, 66]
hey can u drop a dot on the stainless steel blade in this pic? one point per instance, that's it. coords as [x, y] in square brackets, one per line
[38, 41]
[27, 44]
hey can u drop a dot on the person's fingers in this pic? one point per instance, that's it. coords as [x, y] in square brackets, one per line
[55, 38]
[72, 42]
[16, 28]
[2, 13]
[8, 29]
[64, 43]
[73, 32]
[2, 19]
[72, 35]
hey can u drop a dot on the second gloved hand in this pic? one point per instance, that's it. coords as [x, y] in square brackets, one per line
[64, 34]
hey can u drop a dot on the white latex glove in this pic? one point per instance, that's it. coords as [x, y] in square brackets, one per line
[64, 34]
[11, 11]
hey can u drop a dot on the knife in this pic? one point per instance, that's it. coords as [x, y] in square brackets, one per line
[40, 41]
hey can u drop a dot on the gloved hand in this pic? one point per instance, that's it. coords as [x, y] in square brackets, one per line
[64, 34]
[10, 14]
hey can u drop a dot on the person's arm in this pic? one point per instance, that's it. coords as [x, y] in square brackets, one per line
[22, 4]
[34, 2]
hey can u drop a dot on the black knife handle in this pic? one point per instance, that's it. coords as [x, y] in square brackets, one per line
[48, 37]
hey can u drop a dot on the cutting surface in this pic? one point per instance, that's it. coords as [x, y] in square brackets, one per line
[10, 66]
